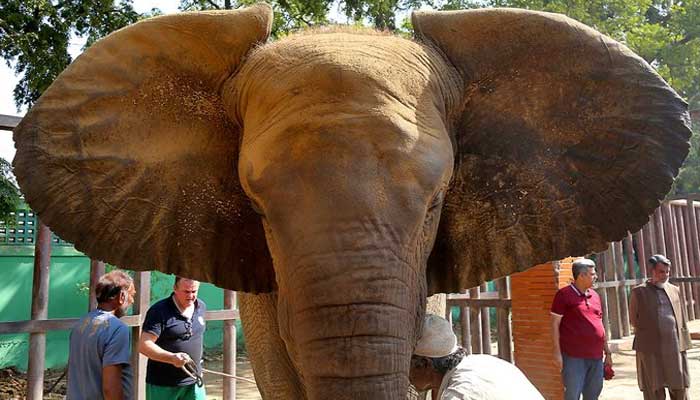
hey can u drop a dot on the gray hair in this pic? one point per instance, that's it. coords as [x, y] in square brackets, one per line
[581, 265]
[440, 364]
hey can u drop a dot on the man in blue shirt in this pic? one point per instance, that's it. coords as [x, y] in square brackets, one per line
[173, 333]
[99, 358]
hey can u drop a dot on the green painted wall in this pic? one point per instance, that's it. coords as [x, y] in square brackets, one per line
[68, 298]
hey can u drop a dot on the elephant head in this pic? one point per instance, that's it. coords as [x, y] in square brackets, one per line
[352, 172]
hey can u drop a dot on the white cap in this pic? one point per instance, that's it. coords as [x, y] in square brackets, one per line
[437, 339]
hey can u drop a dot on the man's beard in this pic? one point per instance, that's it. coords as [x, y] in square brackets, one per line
[120, 311]
[661, 284]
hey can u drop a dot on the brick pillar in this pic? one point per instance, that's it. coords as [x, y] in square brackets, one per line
[532, 293]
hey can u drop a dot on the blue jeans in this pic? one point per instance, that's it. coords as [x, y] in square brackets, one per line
[582, 376]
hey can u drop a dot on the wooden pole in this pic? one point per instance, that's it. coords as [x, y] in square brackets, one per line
[229, 347]
[465, 328]
[621, 290]
[650, 242]
[97, 269]
[40, 310]
[142, 282]
[603, 294]
[505, 351]
[475, 318]
[641, 239]
[629, 256]
[613, 299]
[659, 231]
[485, 326]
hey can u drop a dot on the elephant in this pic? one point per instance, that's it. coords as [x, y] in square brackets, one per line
[340, 175]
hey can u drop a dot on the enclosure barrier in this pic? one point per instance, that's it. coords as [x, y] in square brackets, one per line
[672, 230]
[39, 324]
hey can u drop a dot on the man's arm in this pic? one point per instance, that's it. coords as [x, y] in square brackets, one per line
[112, 382]
[556, 321]
[608, 353]
[149, 348]
[633, 309]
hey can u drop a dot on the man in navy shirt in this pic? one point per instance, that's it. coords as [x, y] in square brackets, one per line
[173, 333]
[578, 334]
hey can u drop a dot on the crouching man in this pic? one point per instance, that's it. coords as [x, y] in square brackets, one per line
[441, 366]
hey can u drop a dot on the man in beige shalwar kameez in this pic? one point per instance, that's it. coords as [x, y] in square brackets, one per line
[661, 335]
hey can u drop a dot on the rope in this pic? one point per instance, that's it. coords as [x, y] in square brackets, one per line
[229, 376]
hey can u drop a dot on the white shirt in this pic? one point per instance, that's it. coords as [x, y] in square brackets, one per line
[484, 377]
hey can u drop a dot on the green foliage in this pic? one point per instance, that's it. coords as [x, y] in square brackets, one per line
[289, 15]
[9, 194]
[35, 36]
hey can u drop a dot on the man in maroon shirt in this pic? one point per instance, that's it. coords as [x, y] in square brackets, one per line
[579, 336]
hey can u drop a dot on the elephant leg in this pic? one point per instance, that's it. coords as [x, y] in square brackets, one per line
[275, 375]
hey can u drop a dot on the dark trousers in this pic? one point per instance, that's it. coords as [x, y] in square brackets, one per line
[676, 394]
[582, 376]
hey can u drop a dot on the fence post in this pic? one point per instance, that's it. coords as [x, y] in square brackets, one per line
[465, 327]
[142, 283]
[97, 269]
[612, 295]
[641, 239]
[659, 225]
[621, 290]
[649, 243]
[603, 294]
[485, 326]
[475, 319]
[40, 310]
[629, 256]
[503, 321]
[229, 347]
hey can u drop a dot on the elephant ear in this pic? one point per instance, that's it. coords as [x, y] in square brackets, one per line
[130, 155]
[564, 140]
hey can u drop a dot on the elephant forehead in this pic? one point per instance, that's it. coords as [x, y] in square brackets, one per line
[352, 69]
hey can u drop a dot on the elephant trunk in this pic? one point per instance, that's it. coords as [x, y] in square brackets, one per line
[351, 323]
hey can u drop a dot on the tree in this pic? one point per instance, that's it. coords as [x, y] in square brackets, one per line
[288, 14]
[9, 194]
[295, 14]
[35, 36]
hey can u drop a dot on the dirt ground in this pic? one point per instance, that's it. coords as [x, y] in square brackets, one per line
[13, 384]
[214, 383]
[624, 385]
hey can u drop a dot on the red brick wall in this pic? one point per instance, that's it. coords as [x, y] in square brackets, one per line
[532, 292]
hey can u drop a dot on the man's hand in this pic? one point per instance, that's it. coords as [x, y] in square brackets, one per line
[608, 359]
[179, 359]
[149, 348]
[557, 359]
